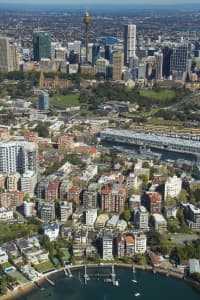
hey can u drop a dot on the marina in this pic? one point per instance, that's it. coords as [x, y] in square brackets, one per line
[148, 286]
[106, 276]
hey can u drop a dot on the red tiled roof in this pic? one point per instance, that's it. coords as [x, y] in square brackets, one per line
[74, 189]
[155, 197]
[129, 239]
[53, 186]
[106, 191]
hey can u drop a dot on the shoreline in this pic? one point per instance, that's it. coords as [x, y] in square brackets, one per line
[27, 287]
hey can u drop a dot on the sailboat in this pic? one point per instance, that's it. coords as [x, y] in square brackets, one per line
[137, 294]
[134, 276]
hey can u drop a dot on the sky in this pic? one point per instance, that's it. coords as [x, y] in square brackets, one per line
[93, 2]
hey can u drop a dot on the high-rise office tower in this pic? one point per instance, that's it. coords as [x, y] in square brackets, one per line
[60, 53]
[101, 66]
[167, 52]
[74, 49]
[7, 55]
[159, 65]
[18, 157]
[142, 70]
[43, 101]
[108, 50]
[129, 42]
[41, 45]
[179, 61]
[90, 47]
[95, 53]
[118, 63]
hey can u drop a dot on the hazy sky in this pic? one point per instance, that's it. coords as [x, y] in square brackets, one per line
[83, 2]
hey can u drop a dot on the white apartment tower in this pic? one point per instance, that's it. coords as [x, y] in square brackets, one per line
[13, 181]
[141, 218]
[129, 42]
[173, 187]
[90, 217]
[7, 55]
[107, 246]
[140, 243]
[18, 157]
[28, 183]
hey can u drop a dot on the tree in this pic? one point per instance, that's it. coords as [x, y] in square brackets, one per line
[140, 259]
[26, 197]
[3, 285]
[144, 178]
[174, 256]
[173, 225]
[42, 129]
[183, 196]
[127, 215]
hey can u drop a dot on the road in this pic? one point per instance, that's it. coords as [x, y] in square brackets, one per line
[185, 100]
[181, 238]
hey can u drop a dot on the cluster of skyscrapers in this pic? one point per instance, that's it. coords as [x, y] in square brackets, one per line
[112, 59]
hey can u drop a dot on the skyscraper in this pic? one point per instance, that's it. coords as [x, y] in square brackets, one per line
[41, 45]
[18, 157]
[74, 49]
[101, 66]
[129, 42]
[7, 55]
[108, 51]
[95, 53]
[179, 61]
[118, 63]
[43, 101]
[159, 65]
[167, 52]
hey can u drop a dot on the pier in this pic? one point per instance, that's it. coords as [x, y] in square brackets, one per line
[86, 277]
[67, 272]
[49, 281]
[107, 277]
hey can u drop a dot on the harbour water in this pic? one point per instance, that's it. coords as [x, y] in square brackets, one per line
[149, 286]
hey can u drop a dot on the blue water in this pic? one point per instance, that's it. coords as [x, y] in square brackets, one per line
[150, 287]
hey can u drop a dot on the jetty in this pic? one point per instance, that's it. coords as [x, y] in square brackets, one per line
[107, 277]
[86, 277]
[67, 271]
[49, 281]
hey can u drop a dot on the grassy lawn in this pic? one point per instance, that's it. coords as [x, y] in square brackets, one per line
[161, 95]
[6, 265]
[18, 276]
[60, 101]
[66, 254]
[63, 101]
[44, 267]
